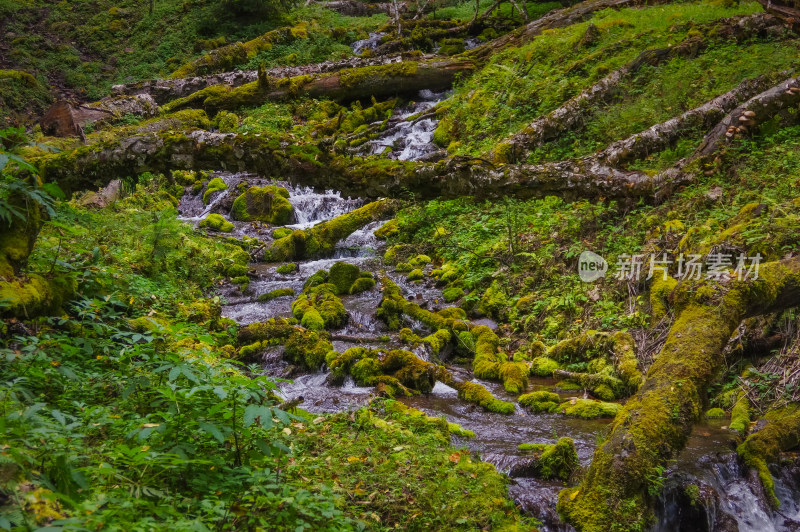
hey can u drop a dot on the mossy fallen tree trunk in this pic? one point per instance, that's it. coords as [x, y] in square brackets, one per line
[382, 81]
[655, 424]
[320, 240]
[166, 90]
[572, 114]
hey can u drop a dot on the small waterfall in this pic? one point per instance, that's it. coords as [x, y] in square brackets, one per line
[312, 207]
[370, 43]
[410, 140]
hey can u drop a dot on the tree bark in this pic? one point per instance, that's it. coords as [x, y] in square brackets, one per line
[655, 424]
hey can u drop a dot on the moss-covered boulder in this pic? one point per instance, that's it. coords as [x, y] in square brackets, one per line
[318, 308]
[215, 185]
[302, 347]
[540, 401]
[475, 393]
[266, 204]
[342, 275]
[217, 223]
[362, 284]
[548, 461]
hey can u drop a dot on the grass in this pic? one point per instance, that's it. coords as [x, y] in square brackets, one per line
[523, 83]
[532, 246]
[127, 412]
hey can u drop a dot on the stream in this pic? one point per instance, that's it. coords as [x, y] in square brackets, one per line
[729, 499]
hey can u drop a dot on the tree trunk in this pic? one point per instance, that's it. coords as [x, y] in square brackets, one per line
[655, 423]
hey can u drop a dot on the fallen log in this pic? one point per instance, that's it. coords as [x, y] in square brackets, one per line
[655, 424]
[383, 81]
[572, 114]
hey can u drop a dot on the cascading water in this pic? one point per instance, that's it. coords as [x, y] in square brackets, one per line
[409, 140]
[370, 43]
[729, 498]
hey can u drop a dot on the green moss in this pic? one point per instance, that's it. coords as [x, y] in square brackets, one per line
[543, 366]
[410, 370]
[715, 413]
[362, 284]
[558, 460]
[268, 204]
[781, 433]
[740, 415]
[475, 393]
[278, 292]
[589, 409]
[323, 308]
[659, 294]
[494, 302]
[287, 268]
[356, 77]
[217, 223]
[226, 122]
[420, 260]
[394, 253]
[243, 281]
[514, 376]
[280, 232]
[215, 185]
[415, 275]
[237, 270]
[307, 348]
[452, 293]
[388, 230]
[541, 401]
[438, 340]
[320, 240]
[342, 275]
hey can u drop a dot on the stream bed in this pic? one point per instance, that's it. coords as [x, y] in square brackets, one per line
[729, 498]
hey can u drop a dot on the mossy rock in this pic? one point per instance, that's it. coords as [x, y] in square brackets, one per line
[342, 275]
[589, 409]
[217, 223]
[494, 302]
[451, 46]
[543, 366]
[395, 253]
[715, 413]
[215, 185]
[362, 284]
[280, 232]
[415, 275]
[287, 268]
[237, 270]
[420, 260]
[452, 293]
[540, 401]
[556, 461]
[475, 393]
[278, 292]
[266, 204]
[319, 308]
[226, 122]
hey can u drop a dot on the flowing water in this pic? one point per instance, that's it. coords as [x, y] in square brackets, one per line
[730, 499]
[410, 140]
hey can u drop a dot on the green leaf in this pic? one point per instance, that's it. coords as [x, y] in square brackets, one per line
[213, 430]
